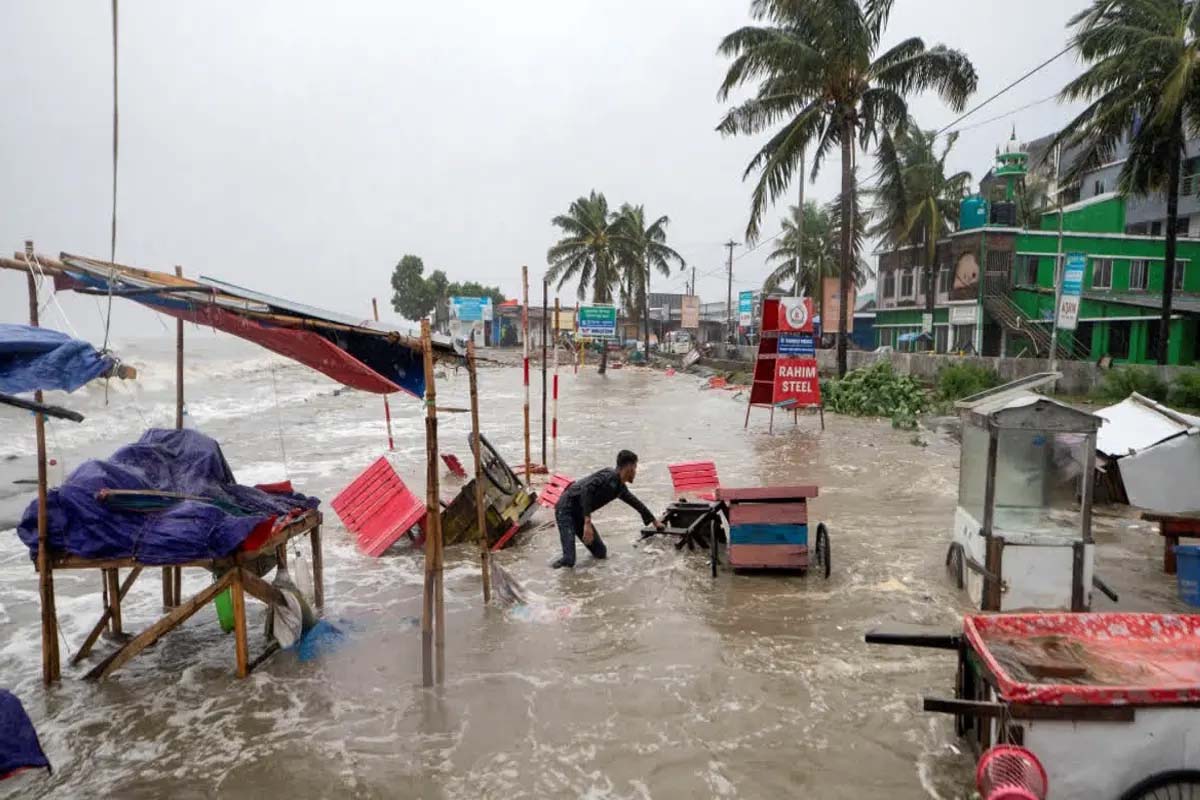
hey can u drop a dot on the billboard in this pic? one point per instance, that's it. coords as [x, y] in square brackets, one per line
[745, 309]
[690, 312]
[598, 322]
[796, 380]
[831, 310]
[467, 309]
[1072, 288]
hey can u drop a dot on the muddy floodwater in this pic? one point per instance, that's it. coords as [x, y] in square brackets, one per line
[635, 677]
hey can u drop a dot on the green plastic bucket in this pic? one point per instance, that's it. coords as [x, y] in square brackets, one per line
[224, 604]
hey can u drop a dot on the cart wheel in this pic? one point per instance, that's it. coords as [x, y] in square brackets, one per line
[822, 548]
[955, 566]
[1178, 784]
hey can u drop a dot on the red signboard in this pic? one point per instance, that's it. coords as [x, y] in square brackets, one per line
[795, 314]
[796, 380]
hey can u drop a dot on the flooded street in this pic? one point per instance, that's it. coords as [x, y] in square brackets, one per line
[635, 677]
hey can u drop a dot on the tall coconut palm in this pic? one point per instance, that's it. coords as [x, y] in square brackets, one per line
[588, 252]
[915, 201]
[642, 249]
[818, 257]
[1142, 82]
[823, 82]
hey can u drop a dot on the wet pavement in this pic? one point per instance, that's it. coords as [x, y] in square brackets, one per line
[638, 676]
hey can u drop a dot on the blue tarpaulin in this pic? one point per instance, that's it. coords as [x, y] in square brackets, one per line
[40, 358]
[179, 461]
[19, 747]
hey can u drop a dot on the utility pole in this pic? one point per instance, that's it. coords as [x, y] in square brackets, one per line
[693, 280]
[1058, 261]
[729, 293]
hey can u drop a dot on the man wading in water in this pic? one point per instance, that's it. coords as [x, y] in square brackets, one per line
[574, 510]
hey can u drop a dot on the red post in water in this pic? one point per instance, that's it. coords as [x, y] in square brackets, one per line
[387, 409]
[554, 392]
[525, 341]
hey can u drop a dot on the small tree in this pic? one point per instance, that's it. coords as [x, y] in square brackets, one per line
[411, 296]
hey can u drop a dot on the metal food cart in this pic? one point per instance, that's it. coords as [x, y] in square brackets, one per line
[1023, 526]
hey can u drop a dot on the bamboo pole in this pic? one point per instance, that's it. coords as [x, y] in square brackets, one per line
[545, 313]
[387, 409]
[171, 590]
[525, 361]
[433, 613]
[554, 411]
[51, 671]
[480, 511]
[578, 340]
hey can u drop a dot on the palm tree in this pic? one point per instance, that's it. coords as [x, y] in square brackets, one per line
[818, 256]
[821, 78]
[588, 251]
[641, 249]
[915, 201]
[1142, 82]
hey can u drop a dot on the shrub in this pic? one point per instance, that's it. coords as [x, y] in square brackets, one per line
[1185, 390]
[1121, 382]
[956, 381]
[875, 391]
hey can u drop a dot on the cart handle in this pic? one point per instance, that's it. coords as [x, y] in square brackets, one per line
[915, 636]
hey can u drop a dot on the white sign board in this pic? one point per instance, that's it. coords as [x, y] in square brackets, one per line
[1072, 289]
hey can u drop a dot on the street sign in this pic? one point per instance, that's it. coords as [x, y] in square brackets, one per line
[598, 322]
[797, 344]
[927, 322]
[795, 314]
[796, 379]
[1072, 289]
[745, 309]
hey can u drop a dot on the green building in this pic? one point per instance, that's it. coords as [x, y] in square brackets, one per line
[994, 292]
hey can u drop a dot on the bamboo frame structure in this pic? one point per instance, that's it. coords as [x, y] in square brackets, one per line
[545, 313]
[525, 362]
[480, 510]
[554, 392]
[387, 408]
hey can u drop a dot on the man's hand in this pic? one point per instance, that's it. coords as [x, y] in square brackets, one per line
[659, 524]
[589, 533]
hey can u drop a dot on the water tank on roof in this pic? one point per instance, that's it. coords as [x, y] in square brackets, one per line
[1004, 213]
[972, 212]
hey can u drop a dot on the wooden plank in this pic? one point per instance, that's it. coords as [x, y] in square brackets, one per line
[90, 641]
[1068, 713]
[1191, 519]
[769, 514]
[773, 556]
[318, 568]
[764, 494]
[112, 582]
[909, 635]
[769, 534]
[164, 625]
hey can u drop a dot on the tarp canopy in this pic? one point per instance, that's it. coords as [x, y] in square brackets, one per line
[366, 355]
[40, 358]
[184, 462]
[19, 746]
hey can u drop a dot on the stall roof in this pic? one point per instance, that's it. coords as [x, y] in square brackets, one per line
[1137, 423]
[1015, 405]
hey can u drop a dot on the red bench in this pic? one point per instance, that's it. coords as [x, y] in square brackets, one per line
[554, 490]
[378, 508]
[695, 478]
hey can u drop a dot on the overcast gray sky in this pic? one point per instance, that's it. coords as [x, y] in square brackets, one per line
[302, 148]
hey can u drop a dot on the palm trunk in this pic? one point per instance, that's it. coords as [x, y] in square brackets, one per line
[930, 283]
[847, 245]
[820, 292]
[1173, 169]
[597, 299]
[646, 309]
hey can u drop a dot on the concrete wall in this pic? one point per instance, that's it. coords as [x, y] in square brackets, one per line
[1079, 377]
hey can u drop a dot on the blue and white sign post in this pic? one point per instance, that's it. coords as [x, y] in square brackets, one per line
[1072, 290]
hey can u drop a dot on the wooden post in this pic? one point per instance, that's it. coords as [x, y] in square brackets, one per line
[545, 314]
[172, 576]
[241, 647]
[525, 338]
[554, 393]
[318, 568]
[993, 587]
[387, 409]
[480, 511]
[578, 340]
[433, 614]
[113, 592]
[50, 663]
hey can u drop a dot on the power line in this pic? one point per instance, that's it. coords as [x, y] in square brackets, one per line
[1031, 72]
[999, 117]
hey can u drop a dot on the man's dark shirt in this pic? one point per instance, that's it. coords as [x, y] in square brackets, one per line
[598, 490]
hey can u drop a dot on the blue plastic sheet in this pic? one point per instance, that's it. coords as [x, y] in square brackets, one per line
[19, 746]
[40, 358]
[184, 462]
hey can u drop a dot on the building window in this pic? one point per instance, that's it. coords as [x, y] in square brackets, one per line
[1139, 275]
[1098, 188]
[906, 283]
[1179, 270]
[889, 284]
[1028, 271]
[1102, 273]
[943, 286]
[1118, 339]
[941, 335]
[1156, 229]
[1153, 331]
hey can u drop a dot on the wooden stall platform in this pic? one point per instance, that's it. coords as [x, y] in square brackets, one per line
[231, 573]
[1173, 527]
